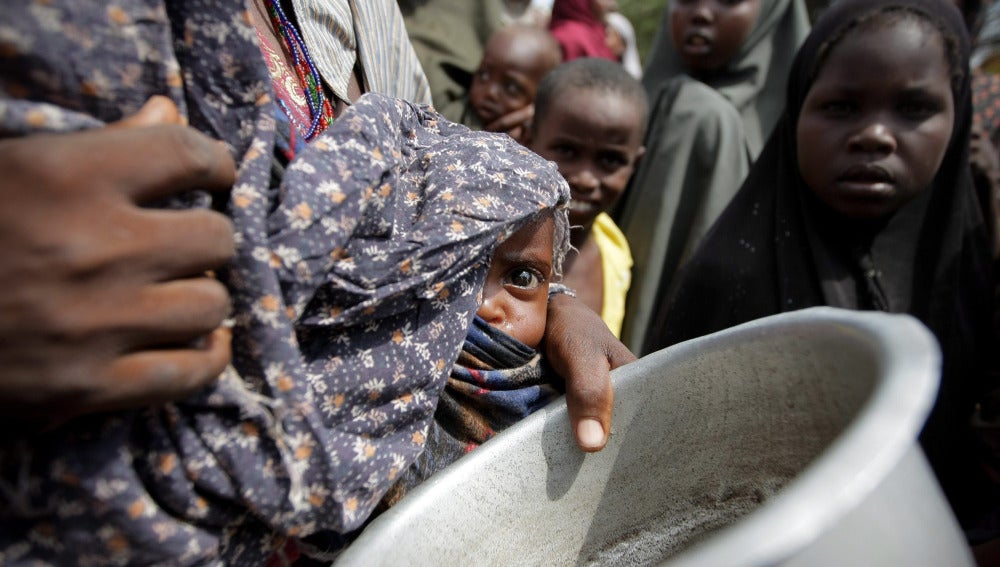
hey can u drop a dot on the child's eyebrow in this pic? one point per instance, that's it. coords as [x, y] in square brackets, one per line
[523, 257]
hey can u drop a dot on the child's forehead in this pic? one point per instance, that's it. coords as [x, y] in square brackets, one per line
[520, 47]
[583, 104]
[533, 240]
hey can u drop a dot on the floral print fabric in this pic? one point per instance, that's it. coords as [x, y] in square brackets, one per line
[354, 283]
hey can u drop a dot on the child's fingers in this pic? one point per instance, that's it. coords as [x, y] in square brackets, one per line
[583, 351]
[157, 110]
[512, 120]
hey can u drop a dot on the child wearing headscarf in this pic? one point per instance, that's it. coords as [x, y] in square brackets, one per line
[500, 377]
[862, 199]
[354, 284]
[715, 93]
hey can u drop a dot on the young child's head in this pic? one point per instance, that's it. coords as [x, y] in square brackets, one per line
[878, 115]
[516, 292]
[515, 59]
[590, 118]
[601, 8]
[708, 34]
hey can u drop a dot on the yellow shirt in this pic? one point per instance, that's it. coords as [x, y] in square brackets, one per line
[616, 263]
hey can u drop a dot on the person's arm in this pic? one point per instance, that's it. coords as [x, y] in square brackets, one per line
[107, 304]
[582, 350]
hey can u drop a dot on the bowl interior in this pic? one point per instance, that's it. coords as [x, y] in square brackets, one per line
[704, 433]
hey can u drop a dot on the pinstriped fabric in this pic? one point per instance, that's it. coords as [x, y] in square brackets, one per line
[337, 32]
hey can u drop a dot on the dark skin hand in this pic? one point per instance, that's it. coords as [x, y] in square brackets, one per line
[107, 304]
[517, 124]
[580, 347]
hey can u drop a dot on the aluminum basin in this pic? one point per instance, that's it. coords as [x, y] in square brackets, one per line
[790, 440]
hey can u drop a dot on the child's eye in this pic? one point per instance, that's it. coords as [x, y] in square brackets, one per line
[612, 161]
[918, 109]
[525, 278]
[513, 89]
[482, 75]
[564, 151]
[838, 108]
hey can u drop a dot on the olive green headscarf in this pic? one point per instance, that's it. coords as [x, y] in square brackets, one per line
[754, 81]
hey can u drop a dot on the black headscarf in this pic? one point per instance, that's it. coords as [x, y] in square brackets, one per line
[776, 249]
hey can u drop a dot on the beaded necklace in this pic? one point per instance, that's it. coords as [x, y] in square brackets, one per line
[320, 109]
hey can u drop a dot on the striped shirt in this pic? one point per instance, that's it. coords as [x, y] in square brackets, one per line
[338, 32]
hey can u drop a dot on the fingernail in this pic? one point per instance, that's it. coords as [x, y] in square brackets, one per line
[590, 434]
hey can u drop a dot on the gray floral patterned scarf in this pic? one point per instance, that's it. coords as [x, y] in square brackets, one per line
[354, 283]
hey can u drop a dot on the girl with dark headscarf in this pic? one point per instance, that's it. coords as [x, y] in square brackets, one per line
[862, 199]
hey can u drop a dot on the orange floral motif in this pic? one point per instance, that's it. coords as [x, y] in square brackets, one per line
[303, 211]
[270, 303]
[136, 509]
[117, 542]
[167, 463]
[117, 15]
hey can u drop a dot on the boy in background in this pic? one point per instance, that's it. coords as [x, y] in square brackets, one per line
[590, 118]
[514, 61]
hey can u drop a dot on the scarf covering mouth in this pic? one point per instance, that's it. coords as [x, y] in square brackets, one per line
[496, 382]
[353, 286]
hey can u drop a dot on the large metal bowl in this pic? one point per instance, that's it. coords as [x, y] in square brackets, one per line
[790, 440]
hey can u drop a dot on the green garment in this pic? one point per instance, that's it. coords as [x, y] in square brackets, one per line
[754, 81]
[448, 36]
[701, 139]
[697, 130]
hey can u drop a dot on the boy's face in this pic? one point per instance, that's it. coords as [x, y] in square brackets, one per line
[595, 137]
[516, 293]
[875, 125]
[709, 33]
[513, 64]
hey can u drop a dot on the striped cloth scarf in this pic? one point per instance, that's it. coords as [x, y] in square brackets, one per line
[496, 382]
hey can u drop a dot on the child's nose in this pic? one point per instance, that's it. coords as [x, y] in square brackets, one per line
[491, 310]
[701, 13]
[875, 137]
[584, 182]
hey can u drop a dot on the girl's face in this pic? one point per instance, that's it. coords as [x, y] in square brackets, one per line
[516, 292]
[874, 127]
[709, 33]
